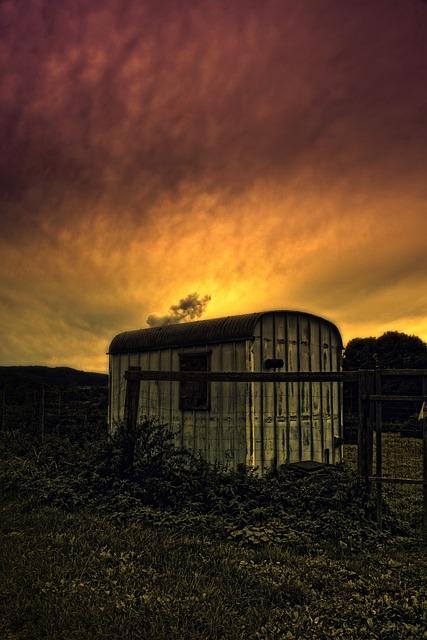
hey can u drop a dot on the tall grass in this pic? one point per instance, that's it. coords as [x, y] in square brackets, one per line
[181, 549]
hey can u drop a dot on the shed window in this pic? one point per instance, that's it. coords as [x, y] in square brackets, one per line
[194, 396]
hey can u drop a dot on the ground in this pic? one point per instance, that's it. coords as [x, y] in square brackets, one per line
[75, 565]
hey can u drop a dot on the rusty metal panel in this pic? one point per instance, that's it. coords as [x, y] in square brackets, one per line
[260, 424]
[293, 388]
[257, 399]
[144, 394]
[295, 421]
[250, 408]
[240, 364]
[176, 419]
[200, 332]
[316, 417]
[228, 407]
[267, 390]
[280, 392]
[215, 419]
[326, 393]
[305, 416]
[336, 397]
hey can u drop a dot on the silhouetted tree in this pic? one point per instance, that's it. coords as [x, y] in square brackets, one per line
[392, 350]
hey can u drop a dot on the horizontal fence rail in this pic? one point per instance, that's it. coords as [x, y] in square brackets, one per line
[134, 373]
[370, 399]
[392, 398]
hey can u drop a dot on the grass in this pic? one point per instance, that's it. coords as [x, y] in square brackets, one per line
[80, 576]
[88, 554]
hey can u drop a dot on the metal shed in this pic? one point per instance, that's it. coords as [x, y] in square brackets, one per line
[258, 424]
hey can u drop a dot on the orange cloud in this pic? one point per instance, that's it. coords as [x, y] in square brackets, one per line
[270, 155]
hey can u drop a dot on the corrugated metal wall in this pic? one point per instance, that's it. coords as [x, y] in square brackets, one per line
[218, 434]
[259, 424]
[295, 421]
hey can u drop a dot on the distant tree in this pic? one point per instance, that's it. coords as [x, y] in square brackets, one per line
[392, 350]
[359, 354]
[400, 351]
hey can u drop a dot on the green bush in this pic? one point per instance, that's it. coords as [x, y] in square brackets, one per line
[165, 483]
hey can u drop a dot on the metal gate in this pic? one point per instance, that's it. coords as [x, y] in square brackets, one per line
[394, 463]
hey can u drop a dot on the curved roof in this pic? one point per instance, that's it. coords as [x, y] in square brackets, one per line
[199, 332]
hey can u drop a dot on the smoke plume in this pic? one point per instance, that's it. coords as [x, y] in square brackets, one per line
[188, 308]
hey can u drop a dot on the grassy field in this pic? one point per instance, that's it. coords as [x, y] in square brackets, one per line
[402, 457]
[79, 576]
[182, 550]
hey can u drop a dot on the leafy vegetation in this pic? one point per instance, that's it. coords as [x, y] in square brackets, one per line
[182, 549]
[392, 350]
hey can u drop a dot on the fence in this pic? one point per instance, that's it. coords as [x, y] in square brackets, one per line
[375, 468]
[40, 409]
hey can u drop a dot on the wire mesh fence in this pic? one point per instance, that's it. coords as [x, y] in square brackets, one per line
[40, 409]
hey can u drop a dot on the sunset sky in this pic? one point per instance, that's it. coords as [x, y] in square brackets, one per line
[271, 154]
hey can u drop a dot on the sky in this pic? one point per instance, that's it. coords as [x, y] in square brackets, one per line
[259, 154]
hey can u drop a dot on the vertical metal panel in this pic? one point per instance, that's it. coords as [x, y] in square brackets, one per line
[338, 365]
[315, 392]
[293, 362]
[268, 431]
[144, 393]
[305, 408]
[188, 416]
[332, 388]
[154, 364]
[200, 428]
[326, 394]
[280, 410]
[216, 422]
[240, 364]
[162, 389]
[321, 385]
[228, 407]
[250, 409]
[259, 424]
[177, 415]
[257, 349]
[335, 406]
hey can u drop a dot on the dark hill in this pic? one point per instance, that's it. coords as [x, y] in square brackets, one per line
[52, 376]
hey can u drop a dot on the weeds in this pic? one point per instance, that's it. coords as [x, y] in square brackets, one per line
[183, 549]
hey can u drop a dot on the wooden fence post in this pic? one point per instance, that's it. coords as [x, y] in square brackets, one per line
[424, 427]
[379, 458]
[130, 417]
[3, 408]
[42, 412]
[365, 441]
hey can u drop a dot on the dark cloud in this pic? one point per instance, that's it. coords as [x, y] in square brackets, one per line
[272, 153]
[133, 99]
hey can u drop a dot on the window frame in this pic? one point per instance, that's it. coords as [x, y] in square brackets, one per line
[188, 404]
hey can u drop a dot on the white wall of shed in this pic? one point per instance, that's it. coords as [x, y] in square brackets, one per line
[295, 421]
[218, 435]
[257, 424]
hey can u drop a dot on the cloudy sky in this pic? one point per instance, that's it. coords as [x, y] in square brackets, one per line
[268, 154]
